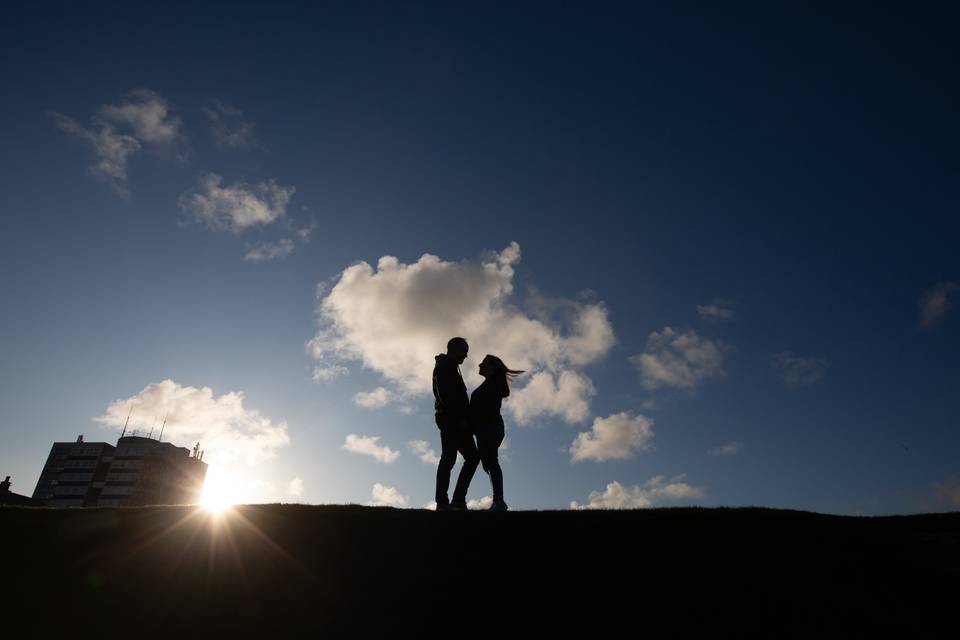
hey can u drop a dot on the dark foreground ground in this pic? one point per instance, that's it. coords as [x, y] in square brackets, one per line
[288, 570]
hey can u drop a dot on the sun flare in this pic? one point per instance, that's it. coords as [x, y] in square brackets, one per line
[219, 494]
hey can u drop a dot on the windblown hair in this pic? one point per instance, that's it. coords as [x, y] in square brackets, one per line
[504, 375]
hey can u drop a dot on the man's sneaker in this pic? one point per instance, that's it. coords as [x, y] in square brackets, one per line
[458, 506]
[498, 506]
[444, 506]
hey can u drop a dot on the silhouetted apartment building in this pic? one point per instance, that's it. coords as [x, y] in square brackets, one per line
[138, 471]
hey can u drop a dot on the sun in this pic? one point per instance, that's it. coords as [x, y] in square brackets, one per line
[219, 494]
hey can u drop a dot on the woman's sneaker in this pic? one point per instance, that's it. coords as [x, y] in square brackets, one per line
[498, 506]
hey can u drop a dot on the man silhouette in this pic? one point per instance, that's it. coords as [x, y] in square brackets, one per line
[450, 412]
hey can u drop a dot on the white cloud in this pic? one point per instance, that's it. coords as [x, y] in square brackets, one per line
[117, 132]
[714, 312]
[228, 126]
[367, 445]
[303, 233]
[421, 448]
[483, 503]
[394, 319]
[567, 396]
[111, 148]
[376, 399]
[654, 490]
[800, 371]
[226, 430]
[933, 304]
[238, 206]
[679, 359]
[149, 116]
[384, 496]
[323, 373]
[615, 437]
[267, 251]
[729, 449]
[295, 487]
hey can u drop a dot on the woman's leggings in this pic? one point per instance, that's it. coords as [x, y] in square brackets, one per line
[488, 442]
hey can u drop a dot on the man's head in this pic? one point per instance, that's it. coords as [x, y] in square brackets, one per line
[457, 350]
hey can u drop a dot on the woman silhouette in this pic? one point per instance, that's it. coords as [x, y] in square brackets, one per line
[486, 422]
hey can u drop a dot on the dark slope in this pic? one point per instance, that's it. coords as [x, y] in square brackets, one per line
[278, 570]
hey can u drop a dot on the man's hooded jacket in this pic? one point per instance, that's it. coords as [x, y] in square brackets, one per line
[449, 393]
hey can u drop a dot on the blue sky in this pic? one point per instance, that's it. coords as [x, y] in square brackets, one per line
[737, 228]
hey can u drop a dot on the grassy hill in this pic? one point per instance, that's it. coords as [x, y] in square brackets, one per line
[283, 570]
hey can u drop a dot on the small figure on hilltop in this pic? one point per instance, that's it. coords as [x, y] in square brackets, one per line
[451, 407]
[487, 423]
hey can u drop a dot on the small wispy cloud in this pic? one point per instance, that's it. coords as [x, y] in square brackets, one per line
[800, 371]
[118, 131]
[934, 303]
[374, 399]
[325, 373]
[714, 311]
[151, 119]
[228, 126]
[421, 448]
[729, 449]
[680, 359]
[267, 251]
[369, 446]
[238, 206]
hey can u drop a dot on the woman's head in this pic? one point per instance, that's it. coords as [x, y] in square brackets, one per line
[493, 369]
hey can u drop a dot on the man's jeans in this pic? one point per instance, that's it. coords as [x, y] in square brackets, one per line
[488, 442]
[453, 438]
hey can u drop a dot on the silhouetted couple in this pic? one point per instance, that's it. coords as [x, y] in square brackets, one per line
[460, 419]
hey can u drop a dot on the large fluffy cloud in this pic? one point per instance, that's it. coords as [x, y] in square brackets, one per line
[679, 359]
[226, 430]
[615, 437]
[118, 131]
[396, 317]
[654, 490]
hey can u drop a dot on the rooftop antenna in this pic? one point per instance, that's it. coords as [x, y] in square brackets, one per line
[160, 439]
[126, 423]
